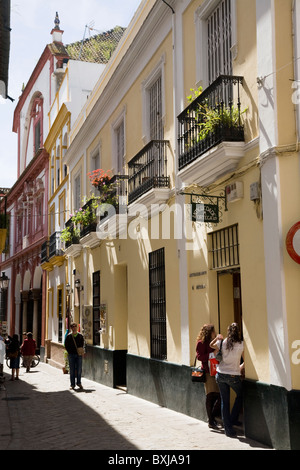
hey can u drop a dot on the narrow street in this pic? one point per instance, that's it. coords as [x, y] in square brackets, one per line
[39, 412]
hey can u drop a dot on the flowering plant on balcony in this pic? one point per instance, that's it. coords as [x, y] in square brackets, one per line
[107, 188]
[83, 216]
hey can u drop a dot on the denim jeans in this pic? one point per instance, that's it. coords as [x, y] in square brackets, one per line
[226, 382]
[75, 363]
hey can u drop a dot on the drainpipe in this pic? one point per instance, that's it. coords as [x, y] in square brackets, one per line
[179, 200]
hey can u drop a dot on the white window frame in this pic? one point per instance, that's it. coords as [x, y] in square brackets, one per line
[158, 71]
[201, 15]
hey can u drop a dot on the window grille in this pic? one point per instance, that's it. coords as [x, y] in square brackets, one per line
[155, 110]
[224, 247]
[96, 307]
[157, 292]
[219, 35]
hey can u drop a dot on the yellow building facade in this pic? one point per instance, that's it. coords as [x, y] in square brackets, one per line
[204, 207]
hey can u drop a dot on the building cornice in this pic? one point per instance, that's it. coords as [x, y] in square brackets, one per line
[120, 75]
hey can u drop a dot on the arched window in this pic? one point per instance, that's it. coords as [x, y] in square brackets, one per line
[37, 119]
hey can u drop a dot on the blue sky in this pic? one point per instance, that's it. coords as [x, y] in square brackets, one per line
[31, 23]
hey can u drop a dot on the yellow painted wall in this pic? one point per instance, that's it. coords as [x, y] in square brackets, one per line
[124, 263]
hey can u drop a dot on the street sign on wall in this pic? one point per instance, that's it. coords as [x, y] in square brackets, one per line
[205, 213]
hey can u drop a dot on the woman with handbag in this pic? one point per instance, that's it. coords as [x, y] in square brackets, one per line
[203, 350]
[13, 352]
[74, 344]
[229, 372]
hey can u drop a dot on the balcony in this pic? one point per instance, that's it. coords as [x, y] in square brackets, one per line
[72, 244]
[56, 254]
[45, 252]
[45, 264]
[148, 174]
[52, 253]
[99, 215]
[211, 132]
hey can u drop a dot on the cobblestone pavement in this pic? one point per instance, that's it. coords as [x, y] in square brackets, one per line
[39, 412]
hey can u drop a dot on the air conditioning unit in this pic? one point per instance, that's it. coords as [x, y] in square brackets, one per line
[235, 191]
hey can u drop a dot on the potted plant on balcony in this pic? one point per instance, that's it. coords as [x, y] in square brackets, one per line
[106, 186]
[83, 216]
[69, 234]
[210, 119]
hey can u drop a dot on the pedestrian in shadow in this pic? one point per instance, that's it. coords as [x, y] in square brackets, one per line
[2, 356]
[229, 375]
[203, 350]
[28, 349]
[74, 344]
[13, 352]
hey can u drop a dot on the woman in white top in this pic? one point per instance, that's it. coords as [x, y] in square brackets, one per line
[229, 375]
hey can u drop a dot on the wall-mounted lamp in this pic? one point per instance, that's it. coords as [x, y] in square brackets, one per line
[69, 289]
[78, 284]
[4, 281]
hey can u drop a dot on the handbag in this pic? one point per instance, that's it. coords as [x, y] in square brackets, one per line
[80, 351]
[197, 373]
[212, 363]
[13, 355]
[219, 355]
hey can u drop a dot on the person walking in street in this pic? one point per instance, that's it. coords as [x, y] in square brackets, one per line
[2, 356]
[13, 352]
[229, 375]
[28, 349]
[203, 350]
[74, 344]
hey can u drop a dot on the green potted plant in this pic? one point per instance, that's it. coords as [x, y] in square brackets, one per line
[209, 119]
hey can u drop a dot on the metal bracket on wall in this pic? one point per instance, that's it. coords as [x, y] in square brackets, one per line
[206, 208]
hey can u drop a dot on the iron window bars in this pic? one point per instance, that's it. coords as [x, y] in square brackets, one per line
[158, 332]
[224, 247]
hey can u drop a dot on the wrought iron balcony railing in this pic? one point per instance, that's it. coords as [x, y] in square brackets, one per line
[74, 238]
[55, 245]
[213, 117]
[148, 169]
[117, 198]
[45, 252]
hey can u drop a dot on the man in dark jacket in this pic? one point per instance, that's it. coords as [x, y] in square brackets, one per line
[74, 344]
